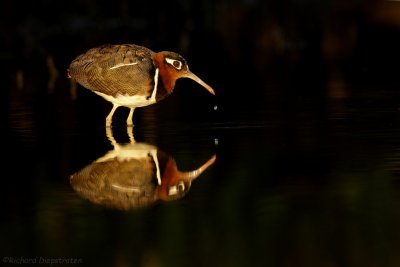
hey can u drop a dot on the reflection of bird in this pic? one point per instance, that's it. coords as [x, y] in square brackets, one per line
[133, 175]
[130, 75]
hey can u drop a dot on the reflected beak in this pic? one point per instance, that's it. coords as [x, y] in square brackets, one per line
[190, 176]
[194, 77]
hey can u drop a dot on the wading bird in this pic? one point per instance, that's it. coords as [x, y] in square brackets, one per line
[130, 75]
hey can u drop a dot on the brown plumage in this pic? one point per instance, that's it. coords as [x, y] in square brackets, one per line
[130, 75]
[134, 176]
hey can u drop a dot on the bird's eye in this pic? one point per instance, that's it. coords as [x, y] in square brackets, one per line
[181, 187]
[175, 63]
[176, 189]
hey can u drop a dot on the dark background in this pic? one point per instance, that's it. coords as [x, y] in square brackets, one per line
[253, 52]
[305, 124]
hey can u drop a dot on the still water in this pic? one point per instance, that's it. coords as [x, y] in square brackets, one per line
[295, 162]
[305, 185]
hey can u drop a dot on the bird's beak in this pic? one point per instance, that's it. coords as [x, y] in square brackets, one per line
[194, 77]
[191, 175]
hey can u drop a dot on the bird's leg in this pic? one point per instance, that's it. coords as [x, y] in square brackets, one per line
[130, 116]
[110, 115]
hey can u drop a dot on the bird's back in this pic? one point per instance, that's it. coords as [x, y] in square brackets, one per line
[115, 69]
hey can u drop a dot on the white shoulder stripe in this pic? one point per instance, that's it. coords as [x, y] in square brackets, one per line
[153, 154]
[123, 65]
[154, 93]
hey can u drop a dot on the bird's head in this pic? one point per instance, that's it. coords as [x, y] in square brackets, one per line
[175, 183]
[173, 66]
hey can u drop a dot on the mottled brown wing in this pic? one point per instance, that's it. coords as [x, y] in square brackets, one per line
[108, 183]
[115, 69]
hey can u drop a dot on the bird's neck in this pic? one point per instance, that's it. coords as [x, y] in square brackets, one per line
[165, 77]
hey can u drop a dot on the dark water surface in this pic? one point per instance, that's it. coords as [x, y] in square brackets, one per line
[315, 190]
[301, 142]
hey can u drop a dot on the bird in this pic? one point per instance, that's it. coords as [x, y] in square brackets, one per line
[134, 175]
[130, 75]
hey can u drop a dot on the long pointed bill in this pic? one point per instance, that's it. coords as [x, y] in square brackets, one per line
[194, 77]
[190, 176]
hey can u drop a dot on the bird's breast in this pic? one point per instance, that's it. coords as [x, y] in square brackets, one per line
[127, 100]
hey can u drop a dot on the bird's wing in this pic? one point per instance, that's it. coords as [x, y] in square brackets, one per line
[115, 69]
